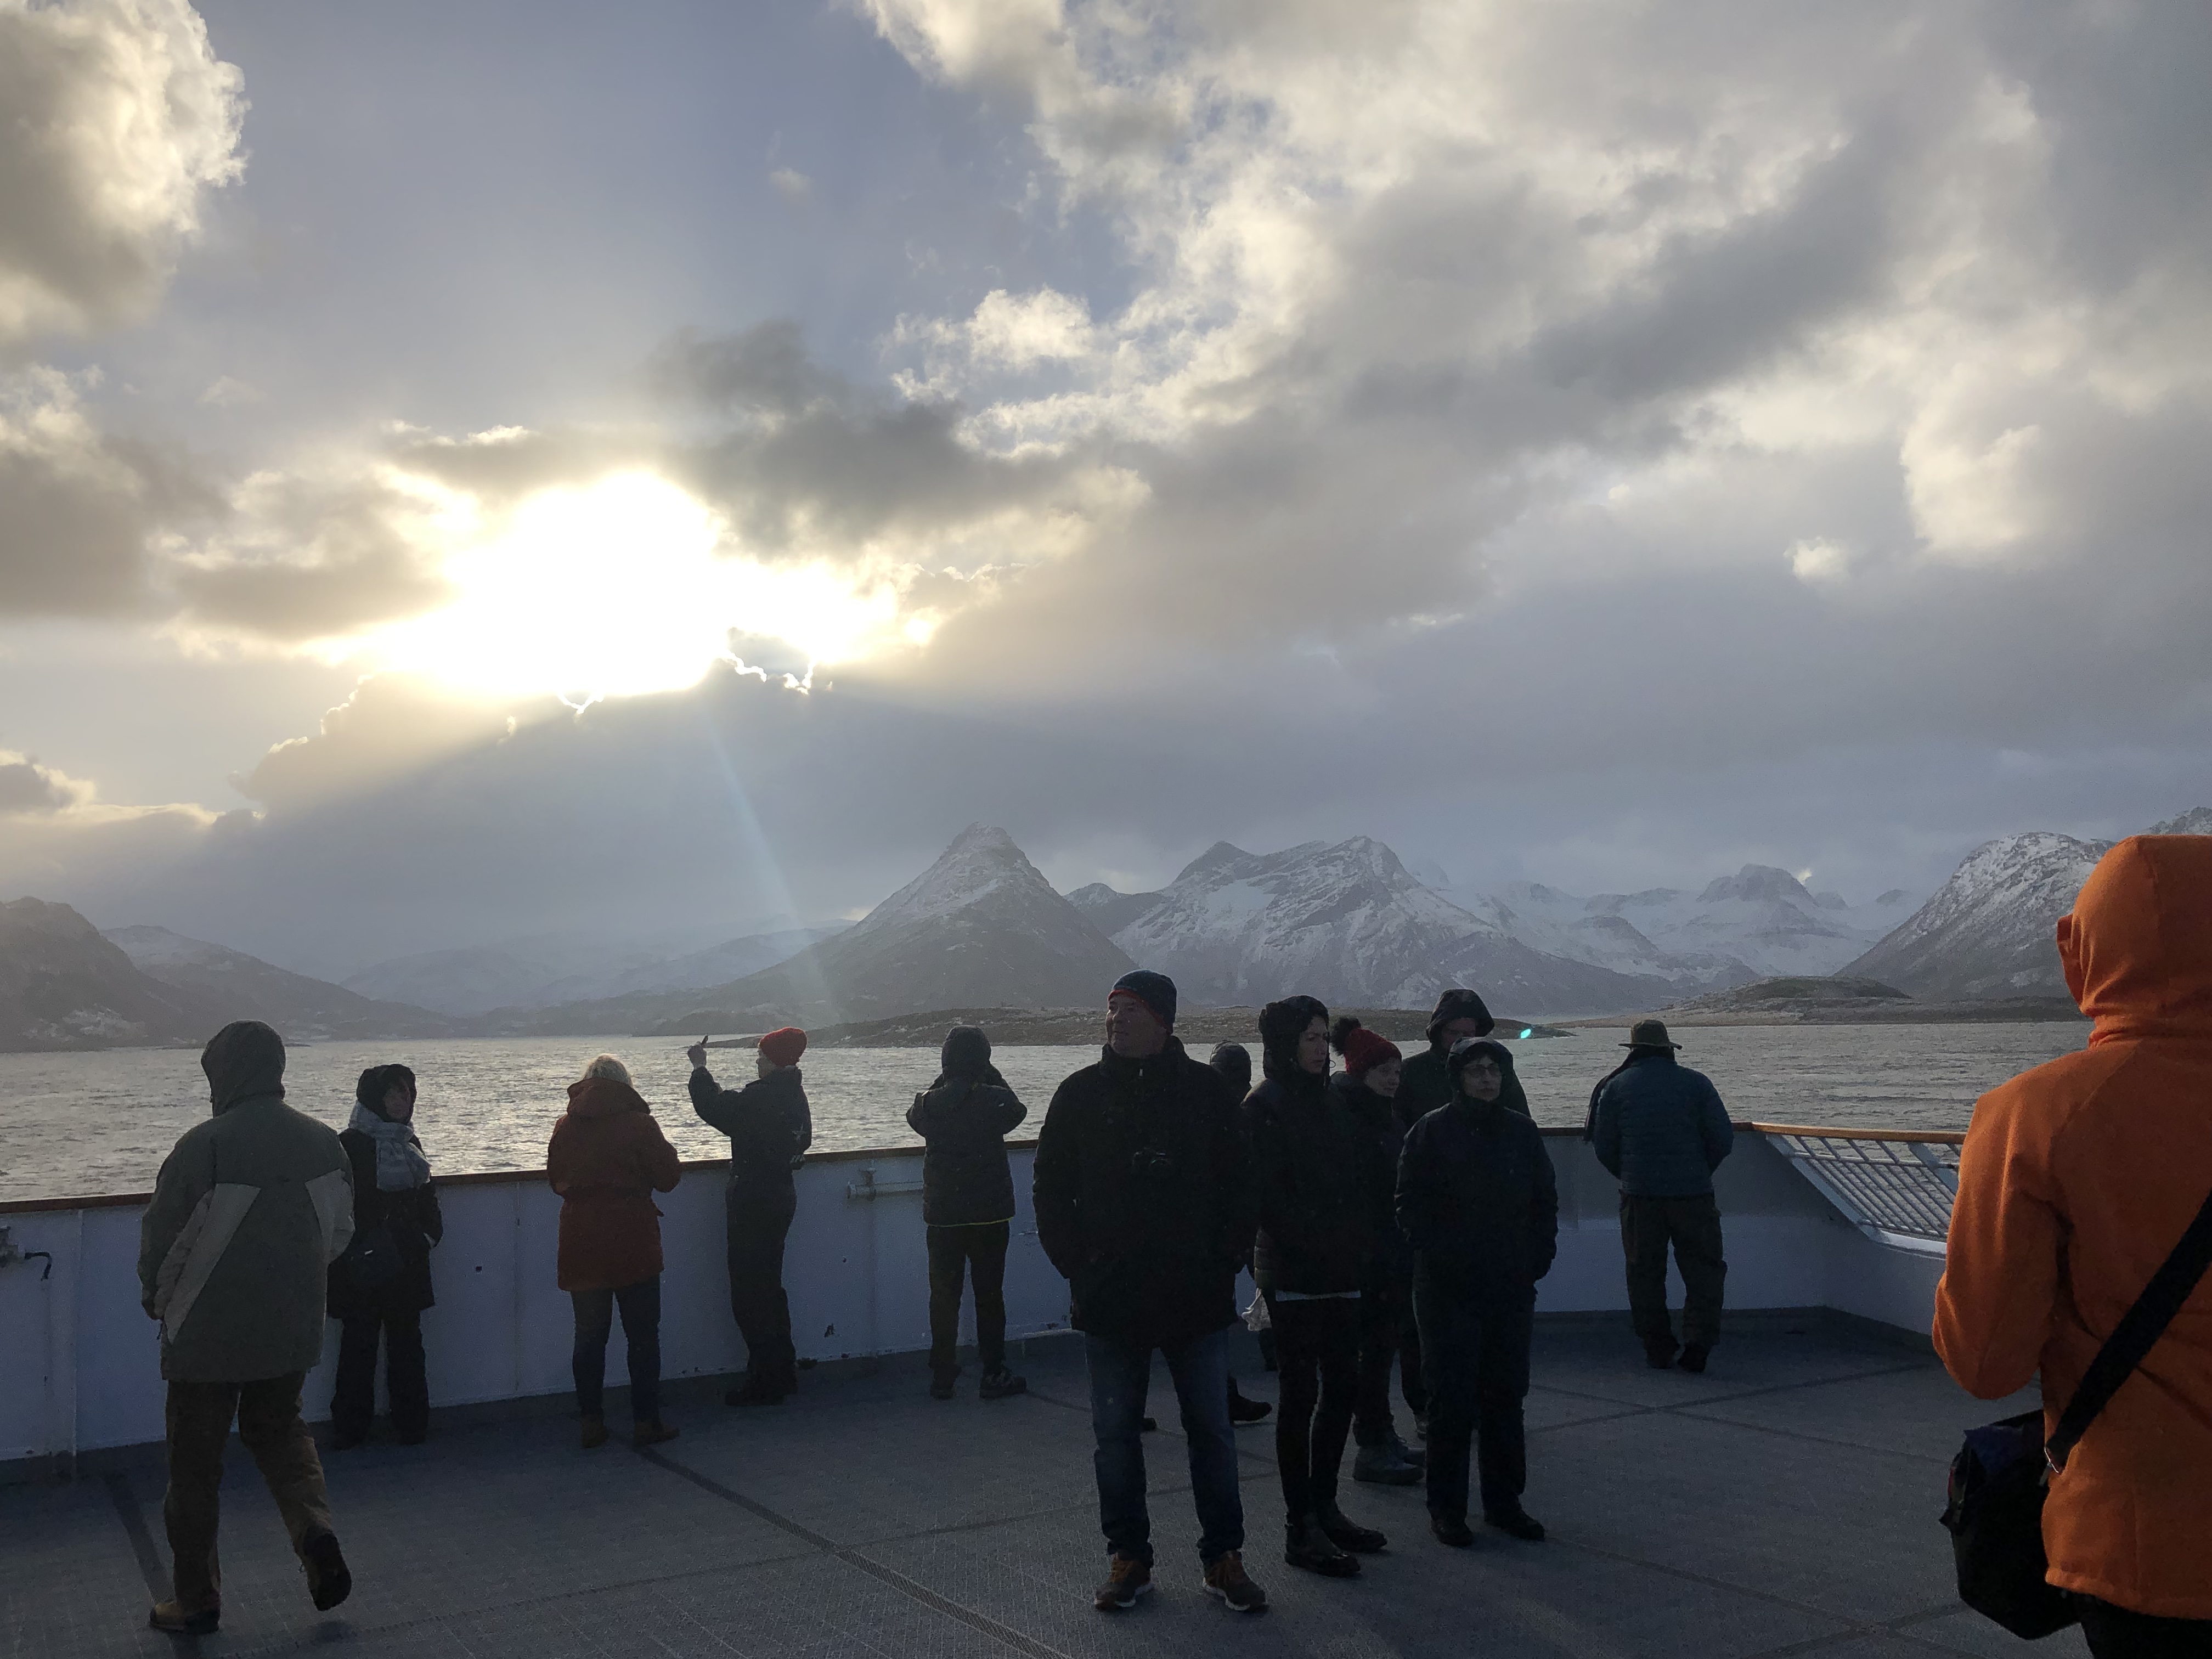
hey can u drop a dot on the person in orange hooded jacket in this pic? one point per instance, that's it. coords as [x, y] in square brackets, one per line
[2078, 1180]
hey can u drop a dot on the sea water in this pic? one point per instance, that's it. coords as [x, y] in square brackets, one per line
[88, 1123]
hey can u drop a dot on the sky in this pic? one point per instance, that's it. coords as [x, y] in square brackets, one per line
[474, 471]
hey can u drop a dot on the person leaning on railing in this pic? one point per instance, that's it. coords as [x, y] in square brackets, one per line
[381, 1287]
[2077, 1181]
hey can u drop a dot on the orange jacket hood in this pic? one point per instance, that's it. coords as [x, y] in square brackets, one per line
[2137, 948]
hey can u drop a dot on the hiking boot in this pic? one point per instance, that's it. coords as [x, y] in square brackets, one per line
[1225, 1579]
[940, 1384]
[1660, 1355]
[1380, 1465]
[1346, 1534]
[594, 1433]
[1002, 1384]
[1127, 1578]
[328, 1581]
[177, 1619]
[1414, 1454]
[1242, 1410]
[1515, 1523]
[1450, 1529]
[1693, 1358]
[1307, 1547]
[652, 1434]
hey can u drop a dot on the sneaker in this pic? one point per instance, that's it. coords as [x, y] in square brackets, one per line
[1242, 1410]
[594, 1433]
[1693, 1357]
[652, 1434]
[940, 1384]
[1414, 1454]
[1515, 1523]
[1225, 1579]
[177, 1620]
[1450, 1529]
[1659, 1355]
[1346, 1534]
[328, 1581]
[1002, 1384]
[1309, 1548]
[1126, 1580]
[1380, 1465]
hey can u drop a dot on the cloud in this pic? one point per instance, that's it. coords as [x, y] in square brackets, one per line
[27, 787]
[119, 116]
[794, 187]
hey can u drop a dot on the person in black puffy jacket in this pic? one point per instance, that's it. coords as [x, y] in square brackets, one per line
[1316, 1169]
[968, 1206]
[1479, 1203]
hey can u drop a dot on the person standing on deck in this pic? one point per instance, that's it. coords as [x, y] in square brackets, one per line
[1368, 1087]
[2077, 1181]
[1234, 1061]
[607, 1158]
[967, 1206]
[381, 1286]
[248, 1214]
[1479, 1203]
[1143, 1200]
[769, 1130]
[1316, 1169]
[1661, 1130]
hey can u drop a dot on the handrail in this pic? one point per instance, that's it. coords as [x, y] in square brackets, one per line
[1925, 1137]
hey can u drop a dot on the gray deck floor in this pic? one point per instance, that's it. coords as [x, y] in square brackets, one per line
[1783, 1504]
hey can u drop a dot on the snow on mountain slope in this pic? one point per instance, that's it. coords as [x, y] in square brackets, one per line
[231, 985]
[1347, 923]
[62, 986]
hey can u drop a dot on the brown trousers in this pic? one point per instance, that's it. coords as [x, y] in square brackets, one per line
[1692, 1226]
[269, 1424]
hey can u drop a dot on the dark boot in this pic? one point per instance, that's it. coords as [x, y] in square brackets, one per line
[1693, 1357]
[1242, 1410]
[1515, 1523]
[1450, 1529]
[1659, 1353]
[1346, 1534]
[1305, 1546]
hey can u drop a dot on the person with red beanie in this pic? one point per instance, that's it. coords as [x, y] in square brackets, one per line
[769, 1130]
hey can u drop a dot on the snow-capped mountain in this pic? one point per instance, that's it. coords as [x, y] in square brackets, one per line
[980, 928]
[1344, 923]
[62, 986]
[231, 985]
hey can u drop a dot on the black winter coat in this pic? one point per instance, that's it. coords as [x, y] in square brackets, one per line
[964, 1122]
[1143, 1190]
[415, 1225]
[1425, 1085]
[767, 1124]
[1478, 1200]
[1378, 1118]
[1316, 1169]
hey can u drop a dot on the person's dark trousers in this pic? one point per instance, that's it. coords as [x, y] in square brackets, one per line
[2117, 1633]
[1319, 1342]
[1412, 1375]
[1121, 1374]
[1476, 1349]
[198, 1416]
[353, 1403]
[978, 1254]
[640, 1322]
[1693, 1227]
[1386, 1332]
[757, 1223]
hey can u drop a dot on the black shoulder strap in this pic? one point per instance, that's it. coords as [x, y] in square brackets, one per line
[2138, 1331]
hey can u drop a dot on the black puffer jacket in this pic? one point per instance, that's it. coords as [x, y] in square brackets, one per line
[964, 1122]
[1316, 1170]
[1378, 1119]
[767, 1124]
[1143, 1191]
[1478, 1201]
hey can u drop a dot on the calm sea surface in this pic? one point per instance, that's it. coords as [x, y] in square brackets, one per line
[102, 1123]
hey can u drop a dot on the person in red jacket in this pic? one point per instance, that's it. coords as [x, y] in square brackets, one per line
[2076, 1181]
[606, 1160]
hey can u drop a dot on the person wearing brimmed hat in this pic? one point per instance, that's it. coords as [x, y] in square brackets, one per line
[1480, 1203]
[1143, 1190]
[967, 1206]
[1662, 1129]
[769, 1130]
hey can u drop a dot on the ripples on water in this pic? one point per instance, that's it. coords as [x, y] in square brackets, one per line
[102, 1123]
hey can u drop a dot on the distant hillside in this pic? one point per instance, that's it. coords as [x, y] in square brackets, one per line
[1199, 1029]
[225, 985]
[62, 986]
[1991, 930]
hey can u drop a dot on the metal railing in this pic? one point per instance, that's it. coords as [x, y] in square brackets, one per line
[1896, 1184]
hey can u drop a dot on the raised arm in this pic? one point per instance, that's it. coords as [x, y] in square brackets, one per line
[717, 1107]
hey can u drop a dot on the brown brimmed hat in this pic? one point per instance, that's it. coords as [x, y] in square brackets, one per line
[1649, 1033]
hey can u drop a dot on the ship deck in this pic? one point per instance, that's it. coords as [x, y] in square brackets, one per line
[1784, 1503]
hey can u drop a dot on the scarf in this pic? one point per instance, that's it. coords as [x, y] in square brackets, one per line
[399, 1161]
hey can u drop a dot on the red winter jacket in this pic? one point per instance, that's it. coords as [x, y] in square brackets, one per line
[606, 1160]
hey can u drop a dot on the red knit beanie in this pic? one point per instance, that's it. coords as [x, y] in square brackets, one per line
[783, 1046]
[1364, 1051]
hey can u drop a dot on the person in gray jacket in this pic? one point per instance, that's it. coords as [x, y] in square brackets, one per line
[1660, 1129]
[249, 1211]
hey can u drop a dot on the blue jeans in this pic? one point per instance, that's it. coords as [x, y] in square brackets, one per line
[641, 1322]
[1121, 1373]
